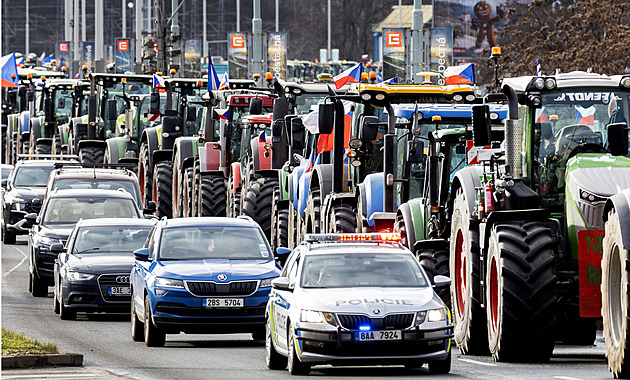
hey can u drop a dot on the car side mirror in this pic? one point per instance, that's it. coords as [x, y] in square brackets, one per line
[57, 248]
[36, 204]
[618, 139]
[112, 111]
[255, 106]
[154, 107]
[281, 283]
[369, 128]
[282, 253]
[191, 113]
[141, 254]
[150, 208]
[5, 183]
[441, 281]
[31, 218]
[326, 118]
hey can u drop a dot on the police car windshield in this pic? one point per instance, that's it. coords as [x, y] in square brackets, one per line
[100, 239]
[351, 270]
[213, 242]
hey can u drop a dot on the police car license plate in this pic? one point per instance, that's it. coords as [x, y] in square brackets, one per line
[224, 302]
[119, 291]
[378, 335]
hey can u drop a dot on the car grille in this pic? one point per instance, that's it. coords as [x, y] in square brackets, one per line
[107, 280]
[207, 288]
[392, 321]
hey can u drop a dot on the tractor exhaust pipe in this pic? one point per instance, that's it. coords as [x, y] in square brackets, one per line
[513, 135]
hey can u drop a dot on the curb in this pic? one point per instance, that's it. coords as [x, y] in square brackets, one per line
[64, 358]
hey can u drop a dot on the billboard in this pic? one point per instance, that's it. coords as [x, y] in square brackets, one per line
[110, 57]
[475, 24]
[237, 55]
[192, 58]
[394, 54]
[87, 58]
[277, 55]
[123, 55]
[441, 51]
[63, 56]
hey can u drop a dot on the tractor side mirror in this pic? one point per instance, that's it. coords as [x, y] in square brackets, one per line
[369, 128]
[61, 103]
[415, 151]
[298, 134]
[481, 125]
[255, 106]
[48, 109]
[154, 108]
[22, 91]
[150, 208]
[191, 113]
[326, 119]
[112, 111]
[618, 139]
[30, 96]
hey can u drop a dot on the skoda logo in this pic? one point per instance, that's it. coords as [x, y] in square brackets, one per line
[376, 311]
[122, 279]
[222, 277]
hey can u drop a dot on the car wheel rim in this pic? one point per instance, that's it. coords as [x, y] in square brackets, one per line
[494, 294]
[615, 296]
[461, 271]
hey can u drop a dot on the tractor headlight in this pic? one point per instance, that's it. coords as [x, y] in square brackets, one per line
[366, 96]
[380, 96]
[457, 98]
[550, 83]
[470, 98]
[625, 82]
[590, 197]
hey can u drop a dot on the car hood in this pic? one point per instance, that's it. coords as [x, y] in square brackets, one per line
[370, 300]
[27, 193]
[209, 269]
[107, 262]
[59, 231]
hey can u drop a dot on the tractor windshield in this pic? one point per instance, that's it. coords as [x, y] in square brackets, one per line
[569, 122]
[305, 102]
[62, 103]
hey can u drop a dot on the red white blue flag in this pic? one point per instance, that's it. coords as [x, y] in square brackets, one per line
[585, 116]
[9, 71]
[158, 83]
[541, 116]
[461, 74]
[351, 75]
[612, 106]
[213, 78]
[223, 113]
[262, 137]
[225, 82]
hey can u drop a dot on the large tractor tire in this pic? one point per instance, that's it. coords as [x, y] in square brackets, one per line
[616, 298]
[186, 194]
[212, 196]
[280, 223]
[56, 145]
[521, 292]
[196, 190]
[145, 174]
[311, 214]
[342, 220]
[470, 333]
[26, 146]
[43, 149]
[233, 207]
[91, 155]
[401, 228]
[435, 262]
[257, 202]
[162, 188]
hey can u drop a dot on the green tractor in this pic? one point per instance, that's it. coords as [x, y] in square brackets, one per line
[527, 224]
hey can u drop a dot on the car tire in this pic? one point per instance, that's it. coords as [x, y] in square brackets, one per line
[137, 326]
[296, 367]
[272, 358]
[153, 337]
[64, 313]
[39, 289]
[440, 366]
[30, 282]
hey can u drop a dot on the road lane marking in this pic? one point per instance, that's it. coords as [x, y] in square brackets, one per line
[566, 378]
[17, 266]
[477, 362]
[49, 375]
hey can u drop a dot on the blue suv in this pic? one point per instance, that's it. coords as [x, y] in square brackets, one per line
[201, 275]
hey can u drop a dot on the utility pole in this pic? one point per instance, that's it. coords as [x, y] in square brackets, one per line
[68, 20]
[138, 36]
[28, 48]
[99, 67]
[329, 52]
[257, 64]
[160, 28]
[277, 15]
[205, 33]
[83, 24]
[417, 40]
[175, 40]
[124, 18]
[238, 15]
[76, 49]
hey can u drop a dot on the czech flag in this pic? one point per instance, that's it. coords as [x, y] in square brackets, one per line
[225, 82]
[47, 59]
[612, 106]
[158, 83]
[585, 116]
[351, 75]
[461, 74]
[262, 137]
[213, 78]
[312, 162]
[223, 113]
[10, 76]
[541, 116]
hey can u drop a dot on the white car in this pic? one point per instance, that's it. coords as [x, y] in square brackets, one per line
[356, 299]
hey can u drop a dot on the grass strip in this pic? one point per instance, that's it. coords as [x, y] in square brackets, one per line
[18, 344]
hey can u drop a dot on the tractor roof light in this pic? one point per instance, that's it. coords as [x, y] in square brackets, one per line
[625, 82]
[268, 76]
[553, 117]
[436, 118]
[539, 83]
[366, 96]
[496, 51]
[535, 101]
[123, 80]
[380, 97]
[458, 98]
[470, 98]
[550, 83]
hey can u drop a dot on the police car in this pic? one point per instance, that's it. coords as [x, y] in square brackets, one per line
[356, 299]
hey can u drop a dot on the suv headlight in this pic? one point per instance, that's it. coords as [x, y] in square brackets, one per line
[436, 315]
[18, 206]
[169, 283]
[312, 316]
[46, 242]
[78, 276]
[266, 282]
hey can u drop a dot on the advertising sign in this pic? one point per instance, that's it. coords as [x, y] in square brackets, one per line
[88, 55]
[63, 55]
[277, 55]
[192, 58]
[393, 53]
[237, 55]
[475, 24]
[110, 57]
[123, 55]
[441, 51]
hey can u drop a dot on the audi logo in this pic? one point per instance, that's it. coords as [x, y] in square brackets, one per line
[122, 279]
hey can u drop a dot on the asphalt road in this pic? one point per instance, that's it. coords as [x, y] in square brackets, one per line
[105, 342]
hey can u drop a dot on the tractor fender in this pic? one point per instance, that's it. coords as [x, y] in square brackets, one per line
[322, 179]
[302, 194]
[92, 144]
[113, 147]
[467, 179]
[371, 196]
[162, 155]
[621, 203]
[210, 156]
[235, 172]
[184, 147]
[188, 162]
[24, 122]
[283, 177]
[36, 128]
[294, 184]
[63, 133]
[150, 136]
[405, 211]
[258, 153]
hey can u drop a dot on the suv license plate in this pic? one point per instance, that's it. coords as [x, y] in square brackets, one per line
[223, 302]
[378, 335]
[119, 291]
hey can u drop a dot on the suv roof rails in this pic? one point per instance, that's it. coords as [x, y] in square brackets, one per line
[50, 156]
[245, 217]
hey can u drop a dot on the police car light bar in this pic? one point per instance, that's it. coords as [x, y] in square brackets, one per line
[368, 238]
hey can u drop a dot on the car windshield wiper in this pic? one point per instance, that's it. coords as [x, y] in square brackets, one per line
[89, 250]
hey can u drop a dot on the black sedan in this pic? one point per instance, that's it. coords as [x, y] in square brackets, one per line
[92, 272]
